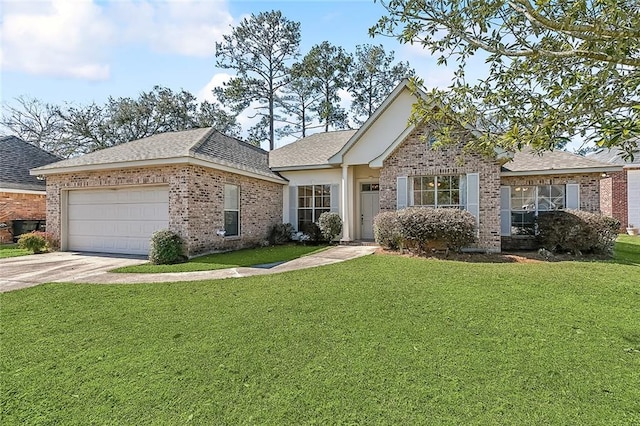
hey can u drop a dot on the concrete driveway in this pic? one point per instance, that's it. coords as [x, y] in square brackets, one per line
[28, 271]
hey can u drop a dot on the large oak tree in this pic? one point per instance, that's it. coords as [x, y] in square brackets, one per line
[558, 69]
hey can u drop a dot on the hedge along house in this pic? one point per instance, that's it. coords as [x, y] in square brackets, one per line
[215, 191]
[389, 164]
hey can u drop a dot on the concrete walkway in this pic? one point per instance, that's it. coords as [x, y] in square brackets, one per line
[29, 271]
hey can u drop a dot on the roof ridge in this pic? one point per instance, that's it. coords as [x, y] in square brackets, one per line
[197, 144]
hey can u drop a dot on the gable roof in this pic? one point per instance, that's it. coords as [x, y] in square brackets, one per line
[529, 162]
[311, 152]
[615, 156]
[17, 157]
[206, 147]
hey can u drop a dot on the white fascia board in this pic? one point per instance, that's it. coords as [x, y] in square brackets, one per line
[376, 163]
[298, 167]
[337, 158]
[563, 171]
[154, 162]
[23, 191]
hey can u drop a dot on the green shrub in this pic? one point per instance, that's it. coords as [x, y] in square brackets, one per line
[311, 233]
[166, 248]
[577, 231]
[421, 227]
[280, 233]
[34, 241]
[386, 230]
[330, 225]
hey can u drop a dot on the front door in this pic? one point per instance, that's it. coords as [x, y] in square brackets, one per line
[369, 208]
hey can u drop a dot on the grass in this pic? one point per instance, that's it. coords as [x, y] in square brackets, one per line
[232, 259]
[12, 250]
[378, 340]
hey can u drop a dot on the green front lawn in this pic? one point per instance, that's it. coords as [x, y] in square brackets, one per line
[382, 339]
[12, 250]
[232, 259]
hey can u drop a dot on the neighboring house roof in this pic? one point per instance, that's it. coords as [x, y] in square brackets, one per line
[17, 157]
[205, 146]
[615, 156]
[529, 162]
[310, 152]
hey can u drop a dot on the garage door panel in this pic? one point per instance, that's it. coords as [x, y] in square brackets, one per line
[116, 221]
[633, 194]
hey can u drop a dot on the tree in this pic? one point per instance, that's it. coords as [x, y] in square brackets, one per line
[328, 67]
[299, 99]
[557, 69]
[373, 78]
[259, 50]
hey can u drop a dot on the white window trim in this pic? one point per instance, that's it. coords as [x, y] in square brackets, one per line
[225, 209]
[411, 191]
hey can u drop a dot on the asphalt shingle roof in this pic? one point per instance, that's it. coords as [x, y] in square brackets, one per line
[615, 156]
[17, 157]
[529, 161]
[205, 144]
[314, 150]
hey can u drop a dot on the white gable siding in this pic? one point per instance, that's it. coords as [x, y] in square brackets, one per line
[377, 138]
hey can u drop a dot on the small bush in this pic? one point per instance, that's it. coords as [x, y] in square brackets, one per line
[166, 248]
[386, 230]
[312, 233]
[421, 227]
[330, 225]
[280, 233]
[35, 241]
[577, 231]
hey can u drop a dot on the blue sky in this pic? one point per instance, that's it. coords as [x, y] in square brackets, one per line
[80, 51]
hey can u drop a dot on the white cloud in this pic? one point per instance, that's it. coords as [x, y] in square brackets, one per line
[56, 37]
[75, 38]
[217, 80]
[184, 27]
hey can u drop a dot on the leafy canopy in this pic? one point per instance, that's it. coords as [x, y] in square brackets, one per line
[559, 69]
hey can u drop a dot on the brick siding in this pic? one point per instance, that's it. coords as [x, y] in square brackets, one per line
[15, 206]
[614, 197]
[415, 158]
[196, 202]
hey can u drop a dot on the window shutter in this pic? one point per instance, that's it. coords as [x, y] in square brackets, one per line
[505, 211]
[473, 194]
[401, 193]
[334, 195]
[573, 196]
[293, 206]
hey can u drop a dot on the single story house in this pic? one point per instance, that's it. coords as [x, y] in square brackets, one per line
[217, 192]
[620, 191]
[22, 196]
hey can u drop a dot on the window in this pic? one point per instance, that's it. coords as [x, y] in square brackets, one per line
[313, 200]
[369, 187]
[436, 191]
[527, 202]
[231, 210]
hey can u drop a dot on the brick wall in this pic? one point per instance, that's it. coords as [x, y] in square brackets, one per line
[14, 206]
[196, 202]
[613, 197]
[415, 158]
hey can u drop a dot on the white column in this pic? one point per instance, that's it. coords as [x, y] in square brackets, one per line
[346, 218]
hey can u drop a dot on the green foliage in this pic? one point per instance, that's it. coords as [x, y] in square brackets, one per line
[34, 241]
[373, 77]
[166, 248]
[330, 225]
[420, 228]
[389, 339]
[280, 233]
[557, 70]
[259, 50]
[577, 231]
[387, 231]
[311, 233]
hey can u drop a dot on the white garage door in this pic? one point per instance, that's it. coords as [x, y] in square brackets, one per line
[633, 194]
[116, 220]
